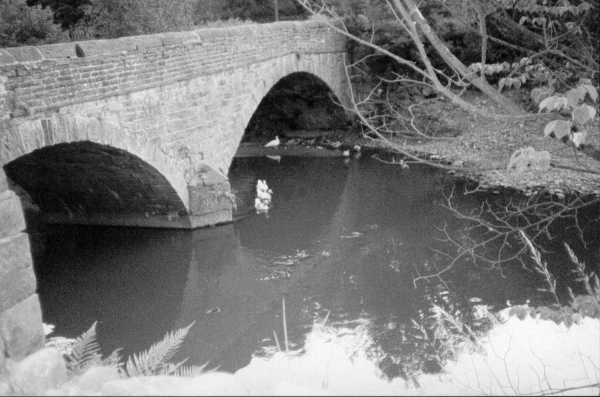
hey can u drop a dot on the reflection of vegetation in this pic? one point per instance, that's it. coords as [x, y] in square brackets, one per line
[449, 330]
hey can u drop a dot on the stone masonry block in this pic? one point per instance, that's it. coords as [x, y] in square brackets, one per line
[25, 54]
[17, 279]
[6, 57]
[60, 50]
[175, 38]
[21, 328]
[11, 214]
[3, 180]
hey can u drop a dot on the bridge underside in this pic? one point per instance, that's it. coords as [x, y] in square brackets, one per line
[90, 183]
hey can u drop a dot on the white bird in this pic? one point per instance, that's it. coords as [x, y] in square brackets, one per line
[262, 185]
[260, 206]
[263, 195]
[274, 143]
[346, 153]
[357, 148]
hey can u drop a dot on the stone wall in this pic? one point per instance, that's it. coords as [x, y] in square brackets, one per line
[176, 101]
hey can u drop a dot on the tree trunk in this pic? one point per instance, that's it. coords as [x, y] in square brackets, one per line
[455, 63]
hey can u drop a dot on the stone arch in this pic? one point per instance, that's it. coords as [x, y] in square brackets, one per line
[29, 135]
[327, 67]
[90, 183]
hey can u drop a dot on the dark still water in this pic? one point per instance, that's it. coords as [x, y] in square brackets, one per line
[344, 240]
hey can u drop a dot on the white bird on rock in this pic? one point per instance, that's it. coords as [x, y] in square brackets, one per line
[274, 143]
[260, 206]
[263, 195]
[262, 185]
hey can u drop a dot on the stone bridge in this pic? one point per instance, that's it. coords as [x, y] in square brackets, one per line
[136, 131]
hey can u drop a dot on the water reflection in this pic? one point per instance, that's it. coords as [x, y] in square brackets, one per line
[346, 239]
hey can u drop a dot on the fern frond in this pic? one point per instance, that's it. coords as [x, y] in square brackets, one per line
[85, 352]
[170, 368]
[190, 371]
[152, 361]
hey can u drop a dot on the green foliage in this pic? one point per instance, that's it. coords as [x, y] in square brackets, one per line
[263, 10]
[118, 18]
[23, 25]
[572, 103]
[66, 12]
[85, 353]
[155, 360]
[524, 71]
[528, 157]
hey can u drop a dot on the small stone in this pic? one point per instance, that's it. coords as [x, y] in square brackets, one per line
[43, 370]
[93, 379]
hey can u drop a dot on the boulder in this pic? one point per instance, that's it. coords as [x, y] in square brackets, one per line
[94, 378]
[43, 370]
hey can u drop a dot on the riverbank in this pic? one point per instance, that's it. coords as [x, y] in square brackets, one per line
[519, 355]
[480, 148]
[483, 147]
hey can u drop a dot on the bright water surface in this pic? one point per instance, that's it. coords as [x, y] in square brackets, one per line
[351, 235]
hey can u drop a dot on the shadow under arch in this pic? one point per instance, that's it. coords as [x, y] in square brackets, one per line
[298, 101]
[90, 183]
[327, 68]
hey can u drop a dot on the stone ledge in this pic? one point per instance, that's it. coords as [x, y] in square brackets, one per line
[11, 214]
[136, 43]
[17, 280]
[25, 54]
[172, 221]
[21, 328]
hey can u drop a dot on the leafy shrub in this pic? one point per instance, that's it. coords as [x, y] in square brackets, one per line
[23, 25]
[580, 113]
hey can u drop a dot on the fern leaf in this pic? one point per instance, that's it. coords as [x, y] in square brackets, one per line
[190, 371]
[153, 360]
[85, 352]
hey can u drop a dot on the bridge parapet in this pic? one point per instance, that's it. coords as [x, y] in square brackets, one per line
[47, 77]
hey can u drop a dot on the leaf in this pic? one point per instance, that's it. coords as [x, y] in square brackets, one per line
[552, 103]
[573, 97]
[85, 352]
[578, 138]
[545, 103]
[563, 128]
[154, 360]
[550, 127]
[559, 103]
[592, 91]
[520, 159]
[541, 160]
[501, 84]
[191, 371]
[582, 114]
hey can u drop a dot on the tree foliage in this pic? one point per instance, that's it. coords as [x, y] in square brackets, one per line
[117, 18]
[66, 12]
[24, 25]
[263, 10]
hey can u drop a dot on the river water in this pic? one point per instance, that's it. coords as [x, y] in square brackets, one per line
[344, 241]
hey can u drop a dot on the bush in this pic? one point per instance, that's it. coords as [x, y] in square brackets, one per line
[23, 25]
